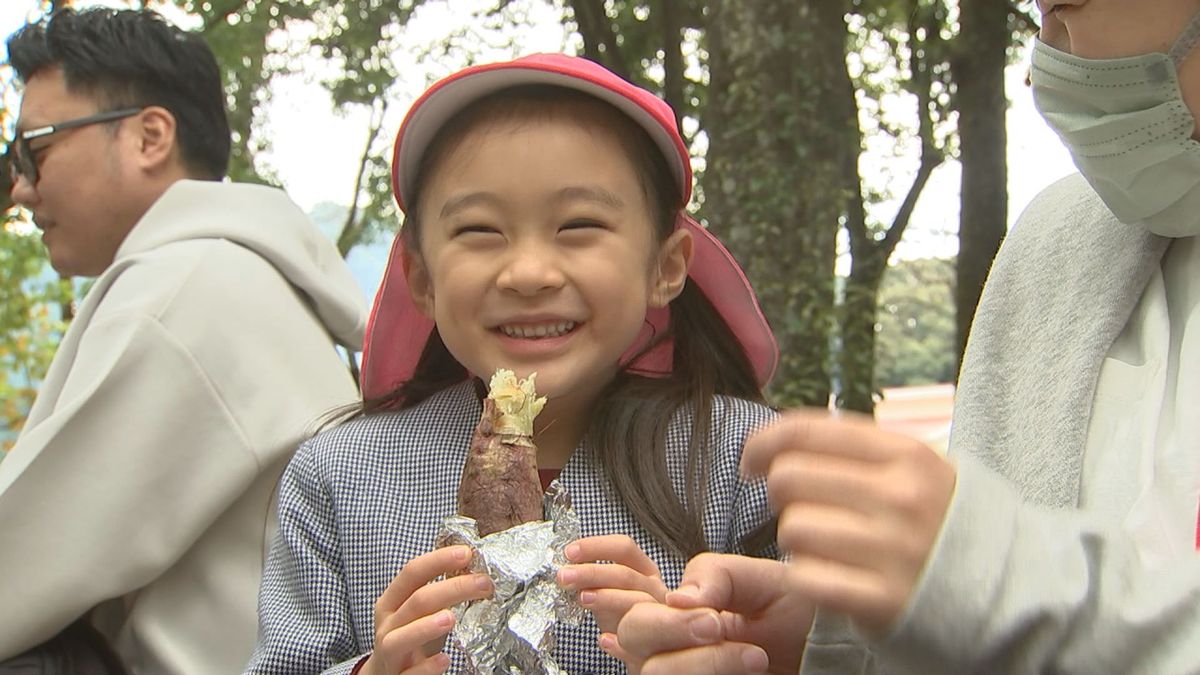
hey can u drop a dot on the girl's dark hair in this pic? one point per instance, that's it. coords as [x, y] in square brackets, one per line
[133, 57]
[633, 409]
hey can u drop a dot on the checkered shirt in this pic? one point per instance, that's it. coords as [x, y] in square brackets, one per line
[359, 501]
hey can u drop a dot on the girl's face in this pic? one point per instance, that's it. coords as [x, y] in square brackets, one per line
[538, 254]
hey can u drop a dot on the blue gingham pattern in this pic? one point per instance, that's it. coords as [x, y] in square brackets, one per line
[360, 500]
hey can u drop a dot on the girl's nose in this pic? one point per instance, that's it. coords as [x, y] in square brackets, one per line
[529, 270]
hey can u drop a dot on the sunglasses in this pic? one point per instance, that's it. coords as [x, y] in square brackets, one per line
[21, 159]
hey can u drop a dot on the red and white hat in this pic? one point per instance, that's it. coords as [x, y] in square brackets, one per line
[397, 331]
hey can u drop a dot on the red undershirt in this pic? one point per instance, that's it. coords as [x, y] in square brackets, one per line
[548, 475]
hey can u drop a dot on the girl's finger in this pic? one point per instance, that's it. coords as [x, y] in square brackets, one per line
[401, 645]
[618, 548]
[418, 572]
[600, 575]
[609, 605]
[438, 595]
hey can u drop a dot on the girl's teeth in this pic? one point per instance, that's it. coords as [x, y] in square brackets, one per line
[541, 331]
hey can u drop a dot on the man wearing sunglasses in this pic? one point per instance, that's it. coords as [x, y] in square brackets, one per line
[136, 504]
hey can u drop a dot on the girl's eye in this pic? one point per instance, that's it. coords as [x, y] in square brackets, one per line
[581, 224]
[474, 229]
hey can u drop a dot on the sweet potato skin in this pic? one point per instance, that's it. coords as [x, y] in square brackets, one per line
[500, 487]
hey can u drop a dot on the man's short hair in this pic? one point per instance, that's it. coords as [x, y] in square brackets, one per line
[131, 58]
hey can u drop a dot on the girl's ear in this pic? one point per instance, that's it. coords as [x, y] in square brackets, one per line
[420, 286]
[674, 260]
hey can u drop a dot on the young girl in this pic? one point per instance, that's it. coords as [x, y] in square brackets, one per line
[545, 233]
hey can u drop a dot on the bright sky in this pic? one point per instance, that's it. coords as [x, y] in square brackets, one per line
[315, 149]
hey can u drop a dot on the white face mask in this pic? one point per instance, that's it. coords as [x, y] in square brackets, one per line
[1128, 130]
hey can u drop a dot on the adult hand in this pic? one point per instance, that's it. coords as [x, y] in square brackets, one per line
[609, 589]
[412, 617]
[859, 509]
[731, 614]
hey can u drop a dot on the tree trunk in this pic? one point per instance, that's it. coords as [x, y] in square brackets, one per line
[979, 71]
[859, 305]
[771, 186]
[672, 43]
[871, 245]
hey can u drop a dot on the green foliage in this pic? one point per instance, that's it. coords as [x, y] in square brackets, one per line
[30, 300]
[238, 32]
[252, 40]
[7, 125]
[915, 324]
[30, 323]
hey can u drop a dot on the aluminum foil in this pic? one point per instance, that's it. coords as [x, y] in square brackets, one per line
[513, 631]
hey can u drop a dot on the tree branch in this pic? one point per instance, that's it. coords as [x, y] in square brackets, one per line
[904, 213]
[353, 227]
[931, 155]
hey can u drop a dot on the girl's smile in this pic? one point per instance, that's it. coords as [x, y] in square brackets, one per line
[536, 340]
[537, 331]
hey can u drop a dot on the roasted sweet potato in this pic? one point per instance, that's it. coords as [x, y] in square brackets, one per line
[500, 486]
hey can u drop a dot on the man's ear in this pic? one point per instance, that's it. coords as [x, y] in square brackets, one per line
[420, 286]
[674, 260]
[154, 133]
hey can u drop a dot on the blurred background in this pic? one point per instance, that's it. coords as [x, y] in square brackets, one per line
[862, 159]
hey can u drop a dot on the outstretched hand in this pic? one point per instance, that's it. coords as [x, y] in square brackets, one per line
[731, 614]
[859, 510]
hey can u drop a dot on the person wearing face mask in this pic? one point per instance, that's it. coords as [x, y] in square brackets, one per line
[1061, 535]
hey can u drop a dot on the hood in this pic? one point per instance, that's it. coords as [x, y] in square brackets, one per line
[266, 221]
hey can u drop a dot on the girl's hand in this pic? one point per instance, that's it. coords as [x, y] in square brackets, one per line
[609, 589]
[412, 617]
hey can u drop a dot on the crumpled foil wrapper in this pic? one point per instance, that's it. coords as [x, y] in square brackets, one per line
[513, 631]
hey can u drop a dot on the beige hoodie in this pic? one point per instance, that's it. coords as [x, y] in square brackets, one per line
[141, 488]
